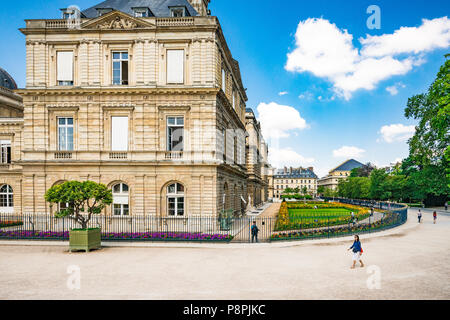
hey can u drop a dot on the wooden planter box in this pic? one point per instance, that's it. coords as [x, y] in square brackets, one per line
[86, 240]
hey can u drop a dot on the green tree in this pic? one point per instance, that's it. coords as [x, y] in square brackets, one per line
[83, 197]
[377, 178]
[428, 164]
[321, 190]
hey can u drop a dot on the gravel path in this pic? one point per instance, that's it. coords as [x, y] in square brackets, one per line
[412, 263]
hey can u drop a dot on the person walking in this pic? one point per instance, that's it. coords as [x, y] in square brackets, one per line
[254, 231]
[434, 217]
[357, 252]
[446, 205]
[419, 216]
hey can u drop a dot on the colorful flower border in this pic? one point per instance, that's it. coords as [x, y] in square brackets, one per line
[119, 236]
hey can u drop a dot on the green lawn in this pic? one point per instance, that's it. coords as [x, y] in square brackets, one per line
[320, 213]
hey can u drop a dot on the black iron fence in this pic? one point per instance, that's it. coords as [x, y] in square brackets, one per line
[138, 228]
[222, 229]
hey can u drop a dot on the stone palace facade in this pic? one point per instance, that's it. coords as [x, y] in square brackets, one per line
[147, 100]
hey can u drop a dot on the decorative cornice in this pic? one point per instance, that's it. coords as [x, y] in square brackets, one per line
[63, 108]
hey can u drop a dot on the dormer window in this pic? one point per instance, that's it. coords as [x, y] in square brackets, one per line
[178, 12]
[103, 11]
[141, 12]
[70, 13]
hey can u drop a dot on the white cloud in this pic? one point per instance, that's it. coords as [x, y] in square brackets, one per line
[348, 152]
[393, 90]
[431, 35]
[397, 133]
[280, 157]
[283, 93]
[328, 52]
[277, 120]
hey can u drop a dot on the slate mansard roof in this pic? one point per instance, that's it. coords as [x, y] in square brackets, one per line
[6, 81]
[306, 173]
[348, 165]
[159, 8]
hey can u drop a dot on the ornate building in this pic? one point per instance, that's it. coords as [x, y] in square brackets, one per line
[342, 171]
[142, 96]
[291, 178]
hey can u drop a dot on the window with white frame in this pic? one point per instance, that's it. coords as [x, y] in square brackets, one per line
[235, 150]
[175, 200]
[234, 99]
[119, 133]
[141, 12]
[178, 12]
[121, 206]
[175, 66]
[6, 197]
[5, 151]
[64, 68]
[175, 133]
[224, 81]
[120, 67]
[65, 134]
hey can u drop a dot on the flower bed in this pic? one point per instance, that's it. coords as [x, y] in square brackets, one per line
[6, 224]
[286, 220]
[117, 236]
[389, 220]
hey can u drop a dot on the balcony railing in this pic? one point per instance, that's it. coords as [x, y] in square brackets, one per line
[63, 155]
[117, 156]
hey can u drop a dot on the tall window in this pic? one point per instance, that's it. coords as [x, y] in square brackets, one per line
[175, 200]
[5, 151]
[175, 66]
[175, 133]
[120, 193]
[235, 145]
[6, 196]
[120, 68]
[64, 60]
[224, 80]
[119, 133]
[65, 134]
[234, 100]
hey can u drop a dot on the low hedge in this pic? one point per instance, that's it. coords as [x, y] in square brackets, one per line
[6, 224]
[388, 221]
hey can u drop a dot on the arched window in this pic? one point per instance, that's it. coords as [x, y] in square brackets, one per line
[6, 197]
[120, 200]
[175, 200]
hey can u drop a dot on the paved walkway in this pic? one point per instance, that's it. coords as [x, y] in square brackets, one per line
[411, 262]
[267, 217]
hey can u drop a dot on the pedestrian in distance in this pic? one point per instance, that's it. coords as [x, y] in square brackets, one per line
[419, 216]
[254, 232]
[357, 252]
[434, 217]
[446, 205]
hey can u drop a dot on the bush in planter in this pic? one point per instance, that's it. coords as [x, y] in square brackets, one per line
[84, 199]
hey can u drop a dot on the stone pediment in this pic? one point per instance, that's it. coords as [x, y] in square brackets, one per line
[117, 20]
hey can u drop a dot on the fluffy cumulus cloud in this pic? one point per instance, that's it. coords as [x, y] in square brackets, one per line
[396, 133]
[277, 121]
[348, 152]
[280, 157]
[327, 51]
[393, 90]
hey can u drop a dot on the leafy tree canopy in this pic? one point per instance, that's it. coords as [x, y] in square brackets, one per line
[82, 197]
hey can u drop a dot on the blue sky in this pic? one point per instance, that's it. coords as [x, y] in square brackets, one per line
[323, 110]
